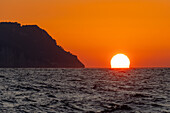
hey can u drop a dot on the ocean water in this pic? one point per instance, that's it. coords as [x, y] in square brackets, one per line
[85, 90]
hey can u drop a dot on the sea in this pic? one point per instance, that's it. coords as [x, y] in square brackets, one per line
[84, 90]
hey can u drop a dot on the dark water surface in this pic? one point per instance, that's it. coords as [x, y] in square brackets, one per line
[85, 90]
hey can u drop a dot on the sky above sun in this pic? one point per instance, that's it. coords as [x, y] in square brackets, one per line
[96, 30]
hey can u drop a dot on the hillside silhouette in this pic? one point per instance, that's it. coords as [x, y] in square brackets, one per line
[31, 46]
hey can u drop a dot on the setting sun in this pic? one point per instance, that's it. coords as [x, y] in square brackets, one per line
[120, 61]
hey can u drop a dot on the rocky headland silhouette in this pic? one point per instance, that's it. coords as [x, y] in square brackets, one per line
[29, 46]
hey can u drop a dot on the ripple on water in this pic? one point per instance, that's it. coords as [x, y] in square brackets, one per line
[85, 90]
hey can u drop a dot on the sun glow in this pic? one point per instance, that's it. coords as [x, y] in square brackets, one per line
[120, 61]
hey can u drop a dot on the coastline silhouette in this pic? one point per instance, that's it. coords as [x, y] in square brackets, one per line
[30, 46]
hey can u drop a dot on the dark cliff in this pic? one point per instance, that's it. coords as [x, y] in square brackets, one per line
[31, 46]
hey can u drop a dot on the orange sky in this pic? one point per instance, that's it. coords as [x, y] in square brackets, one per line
[95, 30]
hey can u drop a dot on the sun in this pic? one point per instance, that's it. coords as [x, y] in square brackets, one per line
[120, 61]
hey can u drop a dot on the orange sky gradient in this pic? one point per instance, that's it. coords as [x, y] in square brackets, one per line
[96, 30]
